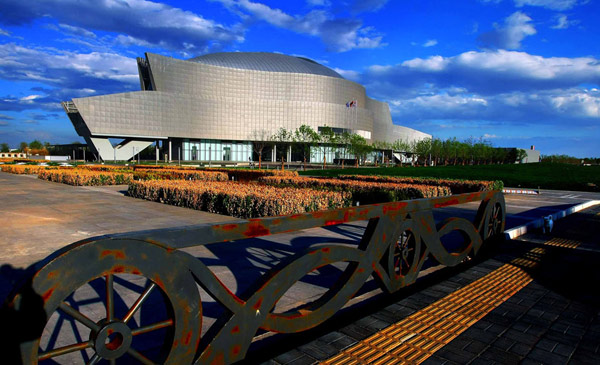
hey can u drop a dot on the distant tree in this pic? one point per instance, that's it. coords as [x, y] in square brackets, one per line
[326, 142]
[36, 145]
[305, 137]
[4, 147]
[23, 146]
[422, 149]
[521, 154]
[283, 139]
[358, 146]
[260, 140]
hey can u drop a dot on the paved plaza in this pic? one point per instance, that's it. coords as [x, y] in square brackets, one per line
[550, 315]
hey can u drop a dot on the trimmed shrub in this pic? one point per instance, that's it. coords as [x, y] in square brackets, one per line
[362, 191]
[456, 186]
[245, 175]
[177, 174]
[86, 178]
[23, 169]
[105, 168]
[237, 199]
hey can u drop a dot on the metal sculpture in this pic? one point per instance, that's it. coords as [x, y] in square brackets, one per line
[396, 242]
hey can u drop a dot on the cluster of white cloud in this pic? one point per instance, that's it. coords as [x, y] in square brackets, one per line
[490, 85]
[139, 21]
[69, 74]
[509, 36]
[549, 4]
[338, 34]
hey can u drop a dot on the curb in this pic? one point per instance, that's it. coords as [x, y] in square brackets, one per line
[520, 191]
[515, 232]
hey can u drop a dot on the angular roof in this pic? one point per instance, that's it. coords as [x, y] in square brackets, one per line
[262, 61]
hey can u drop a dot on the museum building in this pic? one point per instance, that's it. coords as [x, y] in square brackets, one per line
[214, 107]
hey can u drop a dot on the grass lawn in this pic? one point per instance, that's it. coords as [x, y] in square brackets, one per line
[534, 175]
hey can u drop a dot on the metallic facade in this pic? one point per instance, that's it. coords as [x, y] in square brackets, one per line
[228, 97]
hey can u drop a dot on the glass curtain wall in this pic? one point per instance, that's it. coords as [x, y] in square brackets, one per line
[215, 150]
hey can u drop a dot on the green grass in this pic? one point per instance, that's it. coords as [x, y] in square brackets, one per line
[542, 175]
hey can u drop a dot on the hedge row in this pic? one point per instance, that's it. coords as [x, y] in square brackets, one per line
[162, 167]
[236, 199]
[177, 174]
[87, 178]
[364, 192]
[245, 175]
[455, 185]
[23, 169]
[105, 168]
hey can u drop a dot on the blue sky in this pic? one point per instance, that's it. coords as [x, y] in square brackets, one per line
[515, 72]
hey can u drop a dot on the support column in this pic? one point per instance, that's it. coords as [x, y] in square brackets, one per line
[170, 155]
[289, 154]
[274, 158]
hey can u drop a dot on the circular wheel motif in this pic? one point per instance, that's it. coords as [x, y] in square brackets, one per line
[115, 302]
[404, 258]
[405, 252]
[494, 222]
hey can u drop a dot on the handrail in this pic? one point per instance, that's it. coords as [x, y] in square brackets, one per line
[397, 240]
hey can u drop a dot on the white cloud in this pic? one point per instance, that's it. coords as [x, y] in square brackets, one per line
[434, 63]
[487, 72]
[359, 6]
[562, 22]
[339, 34]
[155, 23]
[516, 27]
[348, 74]
[4, 32]
[318, 2]
[549, 4]
[67, 74]
[430, 43]
[77, 31]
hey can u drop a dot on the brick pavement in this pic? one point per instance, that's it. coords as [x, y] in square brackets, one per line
[553, 319]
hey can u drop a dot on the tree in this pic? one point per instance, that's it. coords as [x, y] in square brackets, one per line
[36, 145]
[358, 146]
[521, 155]
[260, 140]
[327, 140]
[422, 149]
[306, 137]
[282, 138]
[23, 146]
[4, 147]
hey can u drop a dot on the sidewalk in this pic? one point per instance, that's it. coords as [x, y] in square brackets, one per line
[536, 300]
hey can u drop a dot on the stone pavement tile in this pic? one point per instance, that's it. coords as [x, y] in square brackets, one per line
[564, 350]
[504, 357]
[436, 360]
[319, 350]
[455, 355]
[475, 346]
[520, 349]
[585, 357]
[503, 343]
[546, 357]
[289, 356]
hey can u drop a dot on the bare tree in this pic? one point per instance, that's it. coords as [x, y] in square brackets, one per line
[261, 139]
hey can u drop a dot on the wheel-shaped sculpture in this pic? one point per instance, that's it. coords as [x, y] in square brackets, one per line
[495, 221]
[84, 286]
[404, 256]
